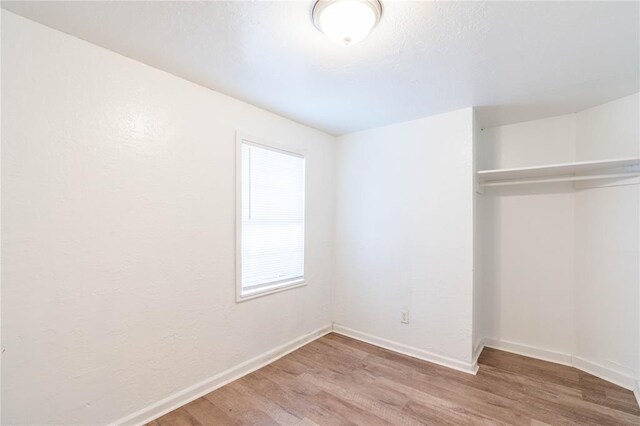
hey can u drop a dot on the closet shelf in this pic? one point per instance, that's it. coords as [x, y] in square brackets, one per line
[566, 172]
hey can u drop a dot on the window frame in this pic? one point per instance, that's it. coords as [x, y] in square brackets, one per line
[278, 286]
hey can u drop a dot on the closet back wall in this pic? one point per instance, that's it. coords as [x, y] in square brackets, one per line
[527, 240]
[561, 265]
[118, 190]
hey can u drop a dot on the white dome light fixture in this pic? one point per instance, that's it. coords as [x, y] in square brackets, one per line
[346, 21]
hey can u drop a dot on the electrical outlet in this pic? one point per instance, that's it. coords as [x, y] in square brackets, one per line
[404, 317]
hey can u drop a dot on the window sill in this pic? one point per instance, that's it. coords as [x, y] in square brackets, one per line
[275, 288]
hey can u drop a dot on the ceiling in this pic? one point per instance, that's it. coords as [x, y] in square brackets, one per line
[515, 61]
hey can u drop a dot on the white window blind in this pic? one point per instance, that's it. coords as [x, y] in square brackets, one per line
[272, 218]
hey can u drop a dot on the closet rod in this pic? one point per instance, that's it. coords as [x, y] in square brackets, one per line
[561, 179]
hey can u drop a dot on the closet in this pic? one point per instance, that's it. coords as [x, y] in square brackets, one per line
[557, 235]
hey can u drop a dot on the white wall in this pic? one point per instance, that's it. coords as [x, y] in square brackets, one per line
[404, 225]
[527, 239]
[118, 232]
[478, 266]
[607, 314]
[118, 246]
[561, 266]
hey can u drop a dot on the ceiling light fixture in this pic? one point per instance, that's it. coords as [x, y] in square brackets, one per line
[346, 21]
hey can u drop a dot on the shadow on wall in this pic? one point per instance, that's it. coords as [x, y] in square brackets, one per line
[491, 255]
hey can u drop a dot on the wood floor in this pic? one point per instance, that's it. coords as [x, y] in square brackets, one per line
[336, 380]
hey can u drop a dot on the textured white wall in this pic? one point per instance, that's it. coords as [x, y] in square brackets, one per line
[118, 191]
[608, 243]
[527, 239]
[404, 233]
[118, 241]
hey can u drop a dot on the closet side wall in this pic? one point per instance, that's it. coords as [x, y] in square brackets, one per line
[477, 246]
[527, 242]
[607, 313]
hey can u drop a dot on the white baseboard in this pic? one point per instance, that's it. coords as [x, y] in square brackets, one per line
[471, 368]
[185, 396]
[530, 351]
[605, 373]
[598, 370]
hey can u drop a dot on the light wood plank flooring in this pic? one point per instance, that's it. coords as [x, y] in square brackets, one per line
[336, 380]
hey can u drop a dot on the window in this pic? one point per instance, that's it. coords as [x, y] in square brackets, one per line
[270, 219]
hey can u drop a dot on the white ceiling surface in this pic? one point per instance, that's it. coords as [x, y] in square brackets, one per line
[517, 61]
